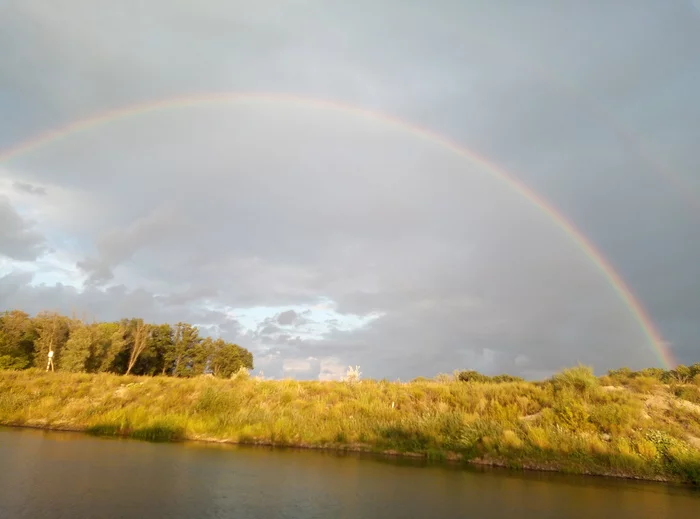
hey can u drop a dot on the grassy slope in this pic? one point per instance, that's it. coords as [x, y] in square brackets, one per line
[573, 425]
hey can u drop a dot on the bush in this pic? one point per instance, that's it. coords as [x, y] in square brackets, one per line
[579, 379]
[571, 413]
[644, 384]
[689, 393]
[621, 375]
[13, 363]
[538, 437]
[472, 376]
[500, 379]
[614, 418]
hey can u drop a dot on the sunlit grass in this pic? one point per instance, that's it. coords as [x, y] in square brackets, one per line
[641, 428]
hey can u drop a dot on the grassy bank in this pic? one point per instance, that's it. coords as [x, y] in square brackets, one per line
[574, 423]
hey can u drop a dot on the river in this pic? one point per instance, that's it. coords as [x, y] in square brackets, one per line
[74, 476]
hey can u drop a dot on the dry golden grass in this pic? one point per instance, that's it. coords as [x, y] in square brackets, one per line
[571, 423]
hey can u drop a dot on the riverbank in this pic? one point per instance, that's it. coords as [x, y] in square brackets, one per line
[573, 424]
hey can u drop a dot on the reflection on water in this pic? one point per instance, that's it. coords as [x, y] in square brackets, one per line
[56, 475]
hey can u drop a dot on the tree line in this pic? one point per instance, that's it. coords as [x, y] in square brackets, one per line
[128, 346]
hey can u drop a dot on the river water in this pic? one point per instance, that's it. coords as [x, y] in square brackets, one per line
[74, 476]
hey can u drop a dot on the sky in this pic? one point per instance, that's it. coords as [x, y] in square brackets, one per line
[320, 237]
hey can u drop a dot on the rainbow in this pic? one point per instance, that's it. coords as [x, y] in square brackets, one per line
[659, 346]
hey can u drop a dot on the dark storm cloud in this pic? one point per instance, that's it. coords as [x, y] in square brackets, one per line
[279, 205]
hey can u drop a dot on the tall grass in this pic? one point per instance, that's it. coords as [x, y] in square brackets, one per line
[571, 423]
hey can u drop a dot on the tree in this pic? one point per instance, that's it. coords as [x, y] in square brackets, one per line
[111, 342]
[179, 359]
[227, 359]
[79, 348]
[17, 335]
[140, 340]
[152, 360]
[52, 330]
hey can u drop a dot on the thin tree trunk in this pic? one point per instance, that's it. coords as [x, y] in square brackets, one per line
[140, 342]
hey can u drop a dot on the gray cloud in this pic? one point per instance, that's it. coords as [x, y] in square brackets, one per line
[29, 188]
[192, 213]
[287, 317]
[18, 240]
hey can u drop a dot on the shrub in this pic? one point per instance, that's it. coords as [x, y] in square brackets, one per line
[472, 376]
[500, 379]
[655, 373]
[579, 379]
[689, 393]
[647, 449]
[571, 413]
[614, 418]
[644, 384]
[476, 432]
[241, 374]
[538, 437]
[607, 380]
[511, 440]
[13, 363]
[621, 375]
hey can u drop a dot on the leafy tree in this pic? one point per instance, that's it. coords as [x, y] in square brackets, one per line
[180, 358]
[152, 360]
[227, 359]
[141, 334]
[17, 336]
[110, 343]
[52, 330]
[79, 348]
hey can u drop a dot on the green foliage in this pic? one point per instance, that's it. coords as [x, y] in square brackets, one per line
[475, 376]
[580, 380]
[128, 346]
[10, 362]
[472, 376]
[17, 337]
[644, 383]
[571, 413]
[79, 347]
[614, 418]
[479, 434]
[499, 379]
[52, 332]
[689, 393]
[227, 359]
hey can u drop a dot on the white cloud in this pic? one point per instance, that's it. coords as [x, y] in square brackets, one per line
[332, 369]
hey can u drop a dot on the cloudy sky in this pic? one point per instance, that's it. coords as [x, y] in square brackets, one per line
[319, 237]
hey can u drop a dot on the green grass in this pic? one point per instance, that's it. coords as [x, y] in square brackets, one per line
[645, 429]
